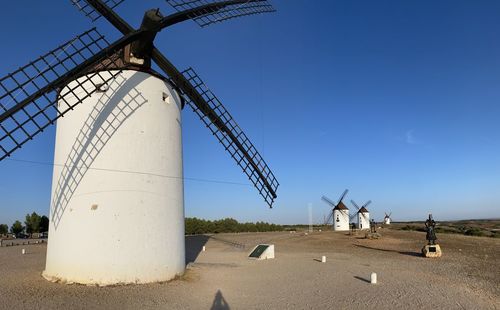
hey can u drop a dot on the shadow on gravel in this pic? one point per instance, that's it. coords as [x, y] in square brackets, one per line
[219, 302]
[362, 279]
[415, 254]
[232, 243]
[194, 245]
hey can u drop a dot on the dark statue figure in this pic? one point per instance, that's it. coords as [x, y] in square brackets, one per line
[430, 226]
[373, 226]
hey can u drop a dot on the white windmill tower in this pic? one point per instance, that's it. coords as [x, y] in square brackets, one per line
[387, 218]
[363, 215]
[339, 213]
[117, 207]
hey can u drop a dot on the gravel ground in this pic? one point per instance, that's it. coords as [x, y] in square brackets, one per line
[466, 277]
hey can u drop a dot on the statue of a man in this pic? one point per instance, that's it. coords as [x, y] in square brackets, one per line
[430, 225]
[373, 227]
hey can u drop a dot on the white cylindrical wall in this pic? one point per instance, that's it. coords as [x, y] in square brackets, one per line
[117, 209]
[340, 220]
[363, 220]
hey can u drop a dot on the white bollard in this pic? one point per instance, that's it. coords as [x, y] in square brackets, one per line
[203, 249]
[373, 278]
[323, 259]
[23, 251]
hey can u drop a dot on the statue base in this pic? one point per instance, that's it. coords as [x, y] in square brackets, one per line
[432, 250]
[372, 235]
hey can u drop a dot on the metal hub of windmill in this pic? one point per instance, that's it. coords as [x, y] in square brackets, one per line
[85, 71]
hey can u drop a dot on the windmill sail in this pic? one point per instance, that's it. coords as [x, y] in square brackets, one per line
[202, 100]
[329, 218]
[202, 11]
[328, 200]
[224, 128]
[34, 96]
[89, 11]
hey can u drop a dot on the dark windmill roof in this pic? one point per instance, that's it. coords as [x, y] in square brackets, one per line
[340, 206]
[363, 210]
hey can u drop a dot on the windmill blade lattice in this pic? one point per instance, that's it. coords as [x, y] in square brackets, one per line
[343, 195]
[208, 17]
[29, 96]
[330, 217]
[234, 140]
[89, 11]
[352, 216]
[328, 201]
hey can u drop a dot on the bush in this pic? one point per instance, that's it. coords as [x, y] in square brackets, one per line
[409, 227]
[448, 230]
[475, 231]
[413, 227]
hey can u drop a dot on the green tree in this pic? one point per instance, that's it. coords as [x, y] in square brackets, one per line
[32, 223]
[229, 225]
[4, 229]
[200, 226]
[17, 227]
[44, 224]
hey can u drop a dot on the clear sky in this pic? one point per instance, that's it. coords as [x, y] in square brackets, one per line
[396, 100]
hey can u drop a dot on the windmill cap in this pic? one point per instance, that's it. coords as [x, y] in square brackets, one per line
[363, 210]
[340, 206]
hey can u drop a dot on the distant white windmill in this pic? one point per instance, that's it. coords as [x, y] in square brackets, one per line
[339, 214]
[387, 218]
[363, 215]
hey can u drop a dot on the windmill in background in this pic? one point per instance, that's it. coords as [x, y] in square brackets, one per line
[387, 218]
[118, 149]
[339, 213]
[363, 215]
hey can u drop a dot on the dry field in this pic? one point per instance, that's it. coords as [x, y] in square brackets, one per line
[466, 277]
[478, 228]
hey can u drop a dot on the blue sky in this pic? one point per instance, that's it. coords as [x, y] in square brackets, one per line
[396, 100]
